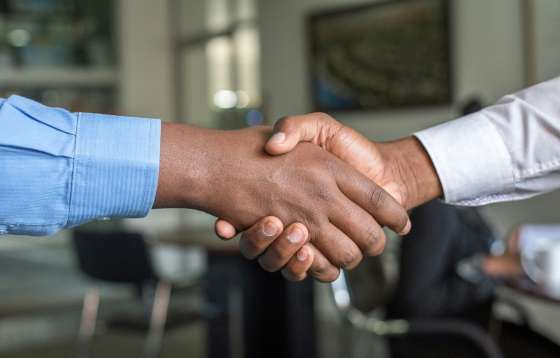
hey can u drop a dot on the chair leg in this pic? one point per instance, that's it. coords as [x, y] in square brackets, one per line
[88, 322]
[158, 319]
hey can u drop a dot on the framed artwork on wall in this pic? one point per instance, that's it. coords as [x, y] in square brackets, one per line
[384, 55]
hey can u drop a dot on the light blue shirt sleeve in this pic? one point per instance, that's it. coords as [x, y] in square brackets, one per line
[60, 169]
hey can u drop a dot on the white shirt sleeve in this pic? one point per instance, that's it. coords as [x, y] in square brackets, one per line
[505, 152]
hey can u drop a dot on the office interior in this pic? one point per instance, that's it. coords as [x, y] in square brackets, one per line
[236, 63]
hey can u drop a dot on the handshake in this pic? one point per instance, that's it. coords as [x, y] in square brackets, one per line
[310, 195]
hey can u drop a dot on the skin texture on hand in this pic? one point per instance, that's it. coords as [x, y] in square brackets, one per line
[402, 168]
[228, 174]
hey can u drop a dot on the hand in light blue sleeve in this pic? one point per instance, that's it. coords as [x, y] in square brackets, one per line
[60, 169]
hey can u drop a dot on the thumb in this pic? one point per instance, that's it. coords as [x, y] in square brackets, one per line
[289, 131]
[224, 229]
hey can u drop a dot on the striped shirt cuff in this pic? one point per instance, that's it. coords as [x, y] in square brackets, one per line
[116, 167]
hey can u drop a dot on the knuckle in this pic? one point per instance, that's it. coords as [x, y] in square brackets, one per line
[328, 276]
[318, 225]
[248, 249]
[323, 193]
[377, 197]
[253, 240]
[285, 123]
[402, 220]
[322, 116]
[250, 240]
[376, 243]
[293, 272]
[312, 228]
[280, 254]
[320, 269]
[266, 265]
[348, 259]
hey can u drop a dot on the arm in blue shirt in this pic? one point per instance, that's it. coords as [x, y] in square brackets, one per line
[60, 169]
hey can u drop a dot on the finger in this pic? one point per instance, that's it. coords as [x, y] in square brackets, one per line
[289, 131]
[321, 269]
[257, 238]
[360, 226]
[296, 269]
[224, 229]
[372, 198]
[338, 248]
[284, 248]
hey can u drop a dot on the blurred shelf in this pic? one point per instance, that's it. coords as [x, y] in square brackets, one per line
[50, 77]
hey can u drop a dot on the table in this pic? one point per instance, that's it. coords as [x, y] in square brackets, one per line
[525, 286]
[260, 314]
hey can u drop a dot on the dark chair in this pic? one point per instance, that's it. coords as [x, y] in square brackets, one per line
[124, 258]
[353, 318]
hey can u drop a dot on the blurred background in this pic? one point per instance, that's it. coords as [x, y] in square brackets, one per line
[166, 286]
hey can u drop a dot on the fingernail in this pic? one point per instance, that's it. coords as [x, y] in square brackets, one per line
[407, 228]
[270, 229]
[278, 138]
[295, 236]
[302, 255]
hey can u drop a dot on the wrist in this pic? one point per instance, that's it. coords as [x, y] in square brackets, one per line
[184, 167]
[411, 167]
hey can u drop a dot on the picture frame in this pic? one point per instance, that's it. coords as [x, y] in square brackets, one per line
[383, 55]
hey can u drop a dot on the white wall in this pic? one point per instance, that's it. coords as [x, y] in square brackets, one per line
[145, 56]
[488, 56]
[547, 38]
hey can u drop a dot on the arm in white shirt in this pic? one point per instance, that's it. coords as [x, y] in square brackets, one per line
[508, 151]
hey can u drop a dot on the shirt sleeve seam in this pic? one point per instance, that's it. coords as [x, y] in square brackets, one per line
[539, 169]
[73, 170]
[494, 198]
[507, 196]
[11, 225]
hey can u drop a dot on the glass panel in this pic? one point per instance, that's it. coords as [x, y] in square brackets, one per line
[229, 93]
[59, 52]
[56, 33]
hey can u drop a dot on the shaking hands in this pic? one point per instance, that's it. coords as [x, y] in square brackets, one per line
[401, 169]
[310, 195]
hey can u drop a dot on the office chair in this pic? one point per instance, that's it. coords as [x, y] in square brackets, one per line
[354, 317]
[124, 258]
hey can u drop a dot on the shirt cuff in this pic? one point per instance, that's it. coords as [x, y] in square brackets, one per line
[471, 159]
[116, 167]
